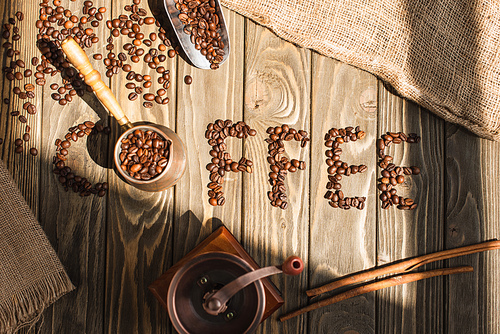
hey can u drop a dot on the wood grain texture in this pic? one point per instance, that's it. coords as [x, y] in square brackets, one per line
[139, 230]
[277, 88]
[469, 219]
[412, 308]
[114, 247]
[75, 225]
[212, 95]
[342, 96]
[489, 266]
[24, 168]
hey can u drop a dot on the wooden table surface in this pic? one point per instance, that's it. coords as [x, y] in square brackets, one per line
[114, 247]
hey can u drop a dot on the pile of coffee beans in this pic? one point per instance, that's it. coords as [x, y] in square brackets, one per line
[144, 154]
[67, 177]
[201, 22]
[15, 72]
[392, 175]
[337, 168]
[222, 162]
[280, 164]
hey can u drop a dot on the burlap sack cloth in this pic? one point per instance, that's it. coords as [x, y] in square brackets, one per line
[31, 275]
[444, 55]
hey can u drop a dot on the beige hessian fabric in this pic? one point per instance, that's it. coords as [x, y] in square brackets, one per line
[444, 54]
[31, 275]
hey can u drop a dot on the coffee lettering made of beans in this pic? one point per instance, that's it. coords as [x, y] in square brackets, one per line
[337, 168]
[222, 162]
[391, 175]
[281, 165]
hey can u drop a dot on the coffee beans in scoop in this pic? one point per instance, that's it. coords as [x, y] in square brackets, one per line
[393, 175]
[338, 169]
[201, 22]
[222, 162]
[280, 164]
[144, 154]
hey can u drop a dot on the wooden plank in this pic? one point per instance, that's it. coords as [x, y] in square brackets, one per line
[24, 168]
[277, 91]
[489, 265]
[415, 307]
[342, 241]
[139, 233]
[75, 225]
[212, 95]
[472, 216]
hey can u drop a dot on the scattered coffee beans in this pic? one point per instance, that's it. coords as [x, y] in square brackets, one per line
[130, 26]
[392, 175]
[144, 154]
[55, 23]
[14, 72]
[281, 165]
[66, 176]
[222, 162]
[337, 168]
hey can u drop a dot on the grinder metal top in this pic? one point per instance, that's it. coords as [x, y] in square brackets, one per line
[201, 278]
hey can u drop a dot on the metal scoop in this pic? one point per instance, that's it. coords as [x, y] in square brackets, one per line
[187, 33]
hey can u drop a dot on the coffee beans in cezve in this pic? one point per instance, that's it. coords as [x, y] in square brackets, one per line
[337, 169]
[222, 162]
[392, 175]
[144, 154]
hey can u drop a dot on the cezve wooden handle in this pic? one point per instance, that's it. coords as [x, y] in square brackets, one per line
[79, 59]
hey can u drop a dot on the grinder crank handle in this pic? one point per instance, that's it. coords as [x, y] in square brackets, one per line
[215, 304]
[79, 59]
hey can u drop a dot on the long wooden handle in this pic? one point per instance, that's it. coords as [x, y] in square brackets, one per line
[404, 266]
[393, 281]
[79, 59]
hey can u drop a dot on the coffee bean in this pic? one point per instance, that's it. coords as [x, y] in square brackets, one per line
[415, 170]
[149, 97]
[132, 96]
[33, 151]
[188, 80]
[144, 165]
